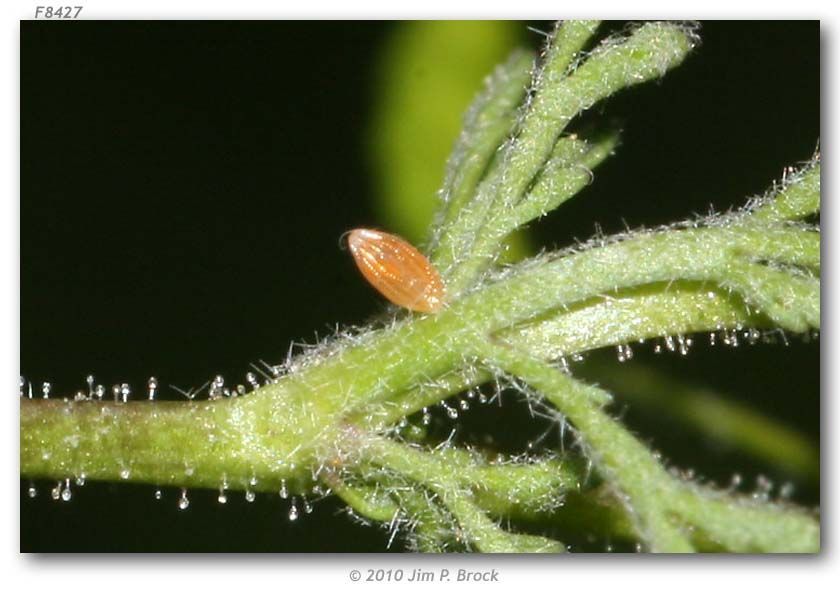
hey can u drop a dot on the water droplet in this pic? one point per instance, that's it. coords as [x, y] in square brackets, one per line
[657, 348]
[125, 390]
[763, 488]
[22, 385]
[307, 507]
[115, 389]
[216, 387]
[683, 345]
[786, 491]
[158, 494]
[89, 379]
[427, 417]
[99, 392]
[152, 385]
[125, 473]
[240, 389]
[293, 511]
[463, 404]
[55, 493]
[451, 411]
[183, 501]
[250, 496]
[729, 337]
[32, 492]
[222, 497]
[284, 493]
[80, 480]
[669, 343]
[45, 389]
[252, 379]
[66, 493]
[625, 352]
[712, 338]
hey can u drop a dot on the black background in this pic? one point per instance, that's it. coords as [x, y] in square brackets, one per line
[184, 186]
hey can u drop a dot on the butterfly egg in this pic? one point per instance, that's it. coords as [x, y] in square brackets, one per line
[398, 270]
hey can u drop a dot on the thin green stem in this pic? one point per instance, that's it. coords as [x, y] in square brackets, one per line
[620, 457]
[798, 198]
[478, 530]
[488, 121]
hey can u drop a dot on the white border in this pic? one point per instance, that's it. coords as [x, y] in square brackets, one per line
[278, 575]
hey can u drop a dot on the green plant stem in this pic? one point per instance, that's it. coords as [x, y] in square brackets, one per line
[187, 444]
[745, 525]
[652, 494]
[629, 316]
[458, 229]
[799, 198]
[488, 121]
[293, 420]
[479, 530]
[648, 53]
[623, 460]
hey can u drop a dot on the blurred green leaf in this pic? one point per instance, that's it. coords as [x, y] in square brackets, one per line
[721, 418]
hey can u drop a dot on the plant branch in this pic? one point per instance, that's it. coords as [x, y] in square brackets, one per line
[331, 415]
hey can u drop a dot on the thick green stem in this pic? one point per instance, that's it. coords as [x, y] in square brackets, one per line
[358, 380]
[238, 444]
[630, 316]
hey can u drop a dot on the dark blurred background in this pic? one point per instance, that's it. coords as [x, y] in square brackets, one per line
[184, 186]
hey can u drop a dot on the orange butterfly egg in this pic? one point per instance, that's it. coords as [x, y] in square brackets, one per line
[398, 270]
